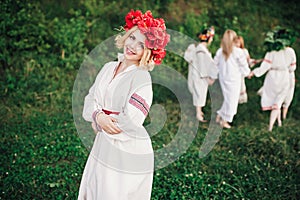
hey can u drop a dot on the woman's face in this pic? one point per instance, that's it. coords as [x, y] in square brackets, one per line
[134, 46]
[237, 43]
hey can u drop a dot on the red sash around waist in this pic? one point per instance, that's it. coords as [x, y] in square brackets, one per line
[108, 112]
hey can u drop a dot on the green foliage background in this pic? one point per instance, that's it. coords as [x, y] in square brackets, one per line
[43, 44]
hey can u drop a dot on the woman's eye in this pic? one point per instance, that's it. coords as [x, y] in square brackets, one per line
[132, 37]
[141, 45]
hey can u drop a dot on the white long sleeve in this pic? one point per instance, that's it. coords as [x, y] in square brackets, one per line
[137, 107]
[264, 67]
[243, 63]
[189, 54]
[292, 56]
[93, 99]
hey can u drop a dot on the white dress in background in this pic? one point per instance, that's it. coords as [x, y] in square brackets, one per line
[230, 73]
[189, 56]
[288, 100]
[243, 94]
[120, 166]
[277, 84]
[203, 67]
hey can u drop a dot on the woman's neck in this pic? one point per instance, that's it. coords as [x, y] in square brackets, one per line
[126, 63]
[204, 43]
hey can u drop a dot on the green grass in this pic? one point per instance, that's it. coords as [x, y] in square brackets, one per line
[42, 157]
[247, 163]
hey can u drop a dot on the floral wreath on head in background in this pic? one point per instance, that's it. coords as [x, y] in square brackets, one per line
[279, 38]
[153, 28]
[206, 34]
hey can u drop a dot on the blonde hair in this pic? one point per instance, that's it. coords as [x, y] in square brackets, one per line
[146, 61]
[227, 42]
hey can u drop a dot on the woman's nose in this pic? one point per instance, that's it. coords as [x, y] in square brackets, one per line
[136, 45]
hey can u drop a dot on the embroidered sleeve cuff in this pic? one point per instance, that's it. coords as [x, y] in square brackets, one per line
[95, 113]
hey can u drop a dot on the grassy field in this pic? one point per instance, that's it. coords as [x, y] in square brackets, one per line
[42, 156]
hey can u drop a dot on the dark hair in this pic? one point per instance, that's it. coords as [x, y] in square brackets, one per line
[204, 32]
[279, 38]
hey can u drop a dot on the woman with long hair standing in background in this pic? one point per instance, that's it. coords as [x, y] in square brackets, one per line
[232, 65]
[240, 43]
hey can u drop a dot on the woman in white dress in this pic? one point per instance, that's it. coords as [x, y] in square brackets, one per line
[202, 70]
[279, 62]
[232, 65]
[251, 62]
[121, 163]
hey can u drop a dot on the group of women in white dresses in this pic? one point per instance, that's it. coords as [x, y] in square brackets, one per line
[231, 65]
[121, 163]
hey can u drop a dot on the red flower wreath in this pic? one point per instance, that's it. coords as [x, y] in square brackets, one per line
[154, 30]
[210, 33]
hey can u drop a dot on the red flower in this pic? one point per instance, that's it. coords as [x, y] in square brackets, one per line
[154, 30]
[132, 18]
[156, 38]
[158, 55]
[148, 14]
[159, 23]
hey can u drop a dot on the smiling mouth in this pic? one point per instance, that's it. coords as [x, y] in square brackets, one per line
[130, 51]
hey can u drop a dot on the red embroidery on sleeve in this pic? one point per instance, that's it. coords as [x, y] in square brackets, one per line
[140, 103]
[268, 61]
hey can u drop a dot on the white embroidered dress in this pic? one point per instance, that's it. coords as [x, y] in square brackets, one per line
[120, 166]
[202, 67]
[243, 94]
[230, 73]
[292, 68]
[278, 82]
[189, 56]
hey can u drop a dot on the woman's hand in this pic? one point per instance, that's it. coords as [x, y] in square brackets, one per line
[210, 81]
[107, 123]
[250, 75]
